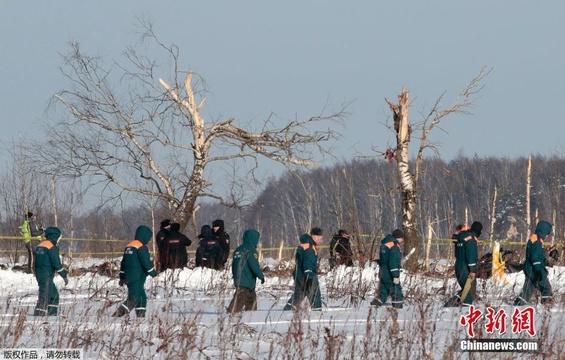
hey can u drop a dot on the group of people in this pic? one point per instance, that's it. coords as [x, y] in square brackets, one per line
[212, 252]
[136, 265]
[466, 258]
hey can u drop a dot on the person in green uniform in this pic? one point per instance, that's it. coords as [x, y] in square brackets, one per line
[136, 265]
[389, 270]
[47, 263]
[246, 270]
[534, 267]
[306, 272]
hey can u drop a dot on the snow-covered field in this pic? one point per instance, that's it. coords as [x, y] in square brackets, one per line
[188, 320]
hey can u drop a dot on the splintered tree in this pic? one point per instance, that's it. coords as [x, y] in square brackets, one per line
[407, 177]
[149, 136]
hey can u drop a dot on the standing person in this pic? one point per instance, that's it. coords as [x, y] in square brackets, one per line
[534, 267]
[466, 257]
[30, 231]
[209, 252]
[246, 270]
[47, 263]
[305, 272]
[340, 249]
[174, 246]
[164, 229]
[389, 270]
[223, 239]
[136, 265]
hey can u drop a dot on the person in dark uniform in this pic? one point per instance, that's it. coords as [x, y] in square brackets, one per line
[174, 247]
[223, 240]
[209, 252]
[164, 229]
[340, 249]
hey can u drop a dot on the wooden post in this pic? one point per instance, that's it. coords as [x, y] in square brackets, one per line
[429, 245]
[467, 217]
[260, 249]
[281, 250]
[554, 227]
[493, 217]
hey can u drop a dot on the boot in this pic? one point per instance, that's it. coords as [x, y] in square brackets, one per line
[376, 302]
[519, 302]
[454, 301]
[121, 311]
[547, 301]
[52, 310]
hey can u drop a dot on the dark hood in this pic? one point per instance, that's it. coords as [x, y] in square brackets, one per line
[220, 223]
[307, 239]
[543, 228]
[52, 234]
[205, 232]
[143, 234]
[389, 238]
[251, 237]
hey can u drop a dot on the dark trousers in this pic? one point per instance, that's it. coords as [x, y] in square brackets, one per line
[243, 299]
[29, 257]
[136, 299]
[387, 288]
[307, 289]
[48, 300]
[540, 282]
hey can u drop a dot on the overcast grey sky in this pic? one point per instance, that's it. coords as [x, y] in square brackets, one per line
[294, 57]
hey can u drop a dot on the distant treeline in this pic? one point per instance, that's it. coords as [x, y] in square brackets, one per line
[361, 196]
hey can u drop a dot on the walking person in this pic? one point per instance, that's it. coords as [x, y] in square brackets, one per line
[466, 257]
[47, 263]
[389, 271]
[534, 267]
[246, 270]
[136, 265]
[306, 283]
[30, 231]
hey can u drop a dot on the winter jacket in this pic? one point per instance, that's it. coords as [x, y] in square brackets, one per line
[174, 249]
[136, 262]
[223, 239]
[466, 253]
[47, 261]
[209, 252]
[535, 258]
[389, 261]
[306, 267]
[245, 266]
[30, 230]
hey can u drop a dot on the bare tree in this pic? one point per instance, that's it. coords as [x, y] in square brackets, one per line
[403, 128]
[148, 137]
